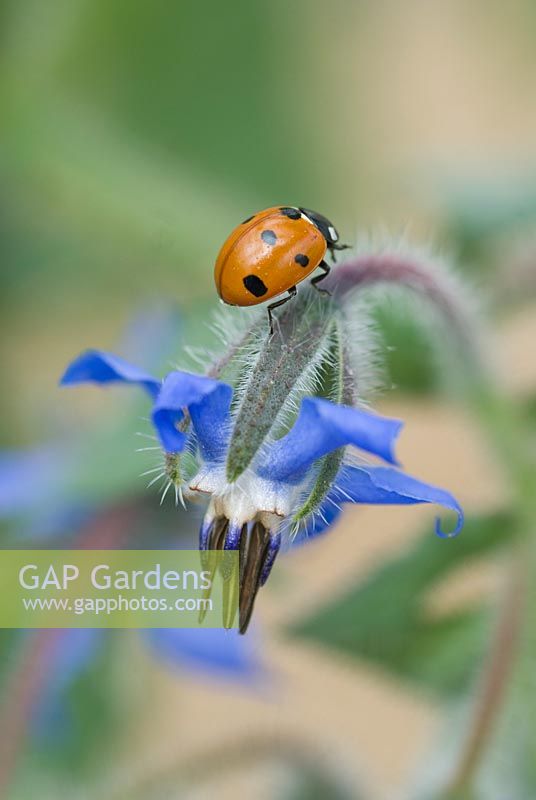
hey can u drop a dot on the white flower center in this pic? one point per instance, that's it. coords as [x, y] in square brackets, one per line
[248, 498]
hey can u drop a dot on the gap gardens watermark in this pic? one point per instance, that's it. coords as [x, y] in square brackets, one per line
[117, 588]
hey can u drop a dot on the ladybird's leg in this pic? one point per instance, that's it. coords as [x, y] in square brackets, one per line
[325, 273]
[291, 293]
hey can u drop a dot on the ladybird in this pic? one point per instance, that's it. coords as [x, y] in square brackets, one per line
[270, 253]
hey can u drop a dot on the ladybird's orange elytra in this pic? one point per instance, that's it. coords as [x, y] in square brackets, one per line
[269, 253]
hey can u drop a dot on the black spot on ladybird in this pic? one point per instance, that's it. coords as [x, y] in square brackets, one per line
[248, 219]
[254, 285]
[291, 213]
[269, 237]
[301, 259]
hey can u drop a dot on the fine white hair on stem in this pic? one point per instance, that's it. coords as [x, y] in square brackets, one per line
[419, 272]
[363, 347]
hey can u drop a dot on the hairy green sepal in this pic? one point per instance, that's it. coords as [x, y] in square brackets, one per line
[284, 358]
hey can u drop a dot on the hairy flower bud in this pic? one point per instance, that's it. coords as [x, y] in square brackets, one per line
[287, 365]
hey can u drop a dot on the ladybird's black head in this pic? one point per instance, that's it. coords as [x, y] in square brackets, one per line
[326, 228]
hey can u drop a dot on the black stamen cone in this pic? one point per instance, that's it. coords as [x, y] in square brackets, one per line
[217, 535]
[251, 571]
[256, 556]
[215, 542]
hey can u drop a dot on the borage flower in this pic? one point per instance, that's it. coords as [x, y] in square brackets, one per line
[268, 433]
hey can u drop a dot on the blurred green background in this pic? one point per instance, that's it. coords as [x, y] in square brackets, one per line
[135, 135]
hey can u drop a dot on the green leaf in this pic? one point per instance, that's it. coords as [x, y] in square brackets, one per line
[385, 618]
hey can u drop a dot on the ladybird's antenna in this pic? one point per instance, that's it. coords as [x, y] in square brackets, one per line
[336, 246]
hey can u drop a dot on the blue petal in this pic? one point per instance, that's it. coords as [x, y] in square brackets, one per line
[97, 366]
[29, 477]
[384, 486]
[214, 651]
[321, 427]
[208, 402]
